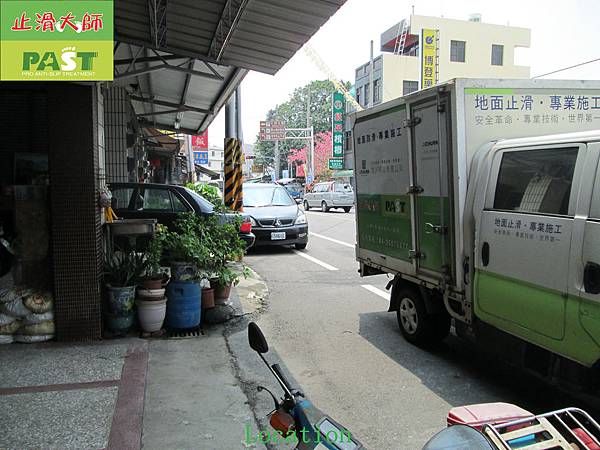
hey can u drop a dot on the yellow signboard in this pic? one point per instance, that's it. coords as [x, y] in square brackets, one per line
[429, 58]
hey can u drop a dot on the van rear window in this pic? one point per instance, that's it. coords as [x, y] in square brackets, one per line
[536, 181]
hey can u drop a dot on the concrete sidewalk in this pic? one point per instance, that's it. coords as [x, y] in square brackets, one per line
[177, 393]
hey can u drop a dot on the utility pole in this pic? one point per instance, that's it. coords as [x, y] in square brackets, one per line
[190, 160]
[311, 166]
[277, 161]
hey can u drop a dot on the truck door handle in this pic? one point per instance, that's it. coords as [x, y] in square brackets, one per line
[485, 254]
[591, 278]
[431, 228]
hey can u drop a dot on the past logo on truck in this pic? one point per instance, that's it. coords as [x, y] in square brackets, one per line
[56, 40]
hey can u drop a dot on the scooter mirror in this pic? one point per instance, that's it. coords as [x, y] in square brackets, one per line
[257, 339]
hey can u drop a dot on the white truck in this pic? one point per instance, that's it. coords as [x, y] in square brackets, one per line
[482, 198]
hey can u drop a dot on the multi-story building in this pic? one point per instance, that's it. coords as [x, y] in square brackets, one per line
[464, 48]
[216, 159]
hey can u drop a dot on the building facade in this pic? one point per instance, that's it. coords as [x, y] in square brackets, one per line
[466, 49]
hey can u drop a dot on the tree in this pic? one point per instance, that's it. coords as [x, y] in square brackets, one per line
[323, 143]
[294, 114]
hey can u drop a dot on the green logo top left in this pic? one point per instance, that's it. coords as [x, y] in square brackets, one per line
[56, 40]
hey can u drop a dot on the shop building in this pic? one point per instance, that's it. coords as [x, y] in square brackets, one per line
[63, 142]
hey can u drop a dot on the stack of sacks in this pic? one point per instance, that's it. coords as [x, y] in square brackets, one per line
[26, 315]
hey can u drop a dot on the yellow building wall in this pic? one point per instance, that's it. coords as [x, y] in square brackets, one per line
[479, 38]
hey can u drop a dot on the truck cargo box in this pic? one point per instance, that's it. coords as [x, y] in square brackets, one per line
[412, 160]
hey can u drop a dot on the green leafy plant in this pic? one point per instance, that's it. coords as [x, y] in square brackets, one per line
[208, 243]
[187, 242]
[226, 276]
[124, 268]
[210, 193]
[154, 254]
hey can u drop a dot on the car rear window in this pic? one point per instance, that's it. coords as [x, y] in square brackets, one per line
[205, 205]
[342, 187]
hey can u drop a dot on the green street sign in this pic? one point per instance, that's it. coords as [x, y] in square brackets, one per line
[337, 124]
[56, 40]
[336, 163]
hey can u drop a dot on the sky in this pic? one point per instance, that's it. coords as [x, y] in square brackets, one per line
[563, 33]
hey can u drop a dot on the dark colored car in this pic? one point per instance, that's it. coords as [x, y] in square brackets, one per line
[276, 218]
[164, 202]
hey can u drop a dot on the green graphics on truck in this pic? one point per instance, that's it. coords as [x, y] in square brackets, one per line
[337, 124]
[383, 179]
[520, 112]
[56, 40]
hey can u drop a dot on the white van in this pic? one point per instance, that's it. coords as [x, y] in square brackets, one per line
[328, 195]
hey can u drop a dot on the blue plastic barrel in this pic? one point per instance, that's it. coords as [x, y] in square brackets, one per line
[183, 304]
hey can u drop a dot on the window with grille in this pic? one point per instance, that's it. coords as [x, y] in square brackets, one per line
[457, 51]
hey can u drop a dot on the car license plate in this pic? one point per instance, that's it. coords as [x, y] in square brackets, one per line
[278, 236]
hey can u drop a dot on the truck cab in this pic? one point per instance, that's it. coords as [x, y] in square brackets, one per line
[535, 219]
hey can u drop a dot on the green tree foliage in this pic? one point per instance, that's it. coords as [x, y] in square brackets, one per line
[294, 114]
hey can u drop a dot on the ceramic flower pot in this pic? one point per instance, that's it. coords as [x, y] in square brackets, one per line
[155, 283]
[208, 298]
[120, 299]
[151, 294]
[119, 323]
[222, 293]
[151, 314]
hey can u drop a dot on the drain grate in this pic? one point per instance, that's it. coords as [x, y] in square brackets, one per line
[186, 332]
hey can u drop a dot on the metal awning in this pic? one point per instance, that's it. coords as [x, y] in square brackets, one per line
[206, 171]
[181, 59]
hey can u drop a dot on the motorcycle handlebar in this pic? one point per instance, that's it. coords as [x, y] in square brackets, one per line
[281, 376]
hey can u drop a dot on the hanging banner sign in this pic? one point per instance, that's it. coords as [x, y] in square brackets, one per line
[200, 142]
[56, 40]
[201, 158]
[337, 121]
[429, 58]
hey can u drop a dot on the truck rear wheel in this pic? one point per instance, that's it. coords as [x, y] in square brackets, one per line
[417, 326]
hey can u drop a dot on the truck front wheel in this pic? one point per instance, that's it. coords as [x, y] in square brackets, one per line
[417, 326]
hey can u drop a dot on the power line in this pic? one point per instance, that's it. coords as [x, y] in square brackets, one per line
[567, 68]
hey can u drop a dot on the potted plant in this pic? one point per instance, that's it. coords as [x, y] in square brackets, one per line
[186, 248]
[121, 271]
[155, 276]
[225, 246]
[223, 280]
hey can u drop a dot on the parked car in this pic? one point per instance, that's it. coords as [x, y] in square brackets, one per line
[331, 194]
[164, 202]
[295, 190]
[276, 218]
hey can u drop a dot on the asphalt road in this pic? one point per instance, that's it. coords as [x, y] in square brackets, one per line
[331, 330]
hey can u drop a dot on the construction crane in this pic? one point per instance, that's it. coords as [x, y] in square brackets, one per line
[312, 54]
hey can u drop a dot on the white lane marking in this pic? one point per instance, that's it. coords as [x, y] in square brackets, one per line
[315, 260]
[376, 291]
[331, 239]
